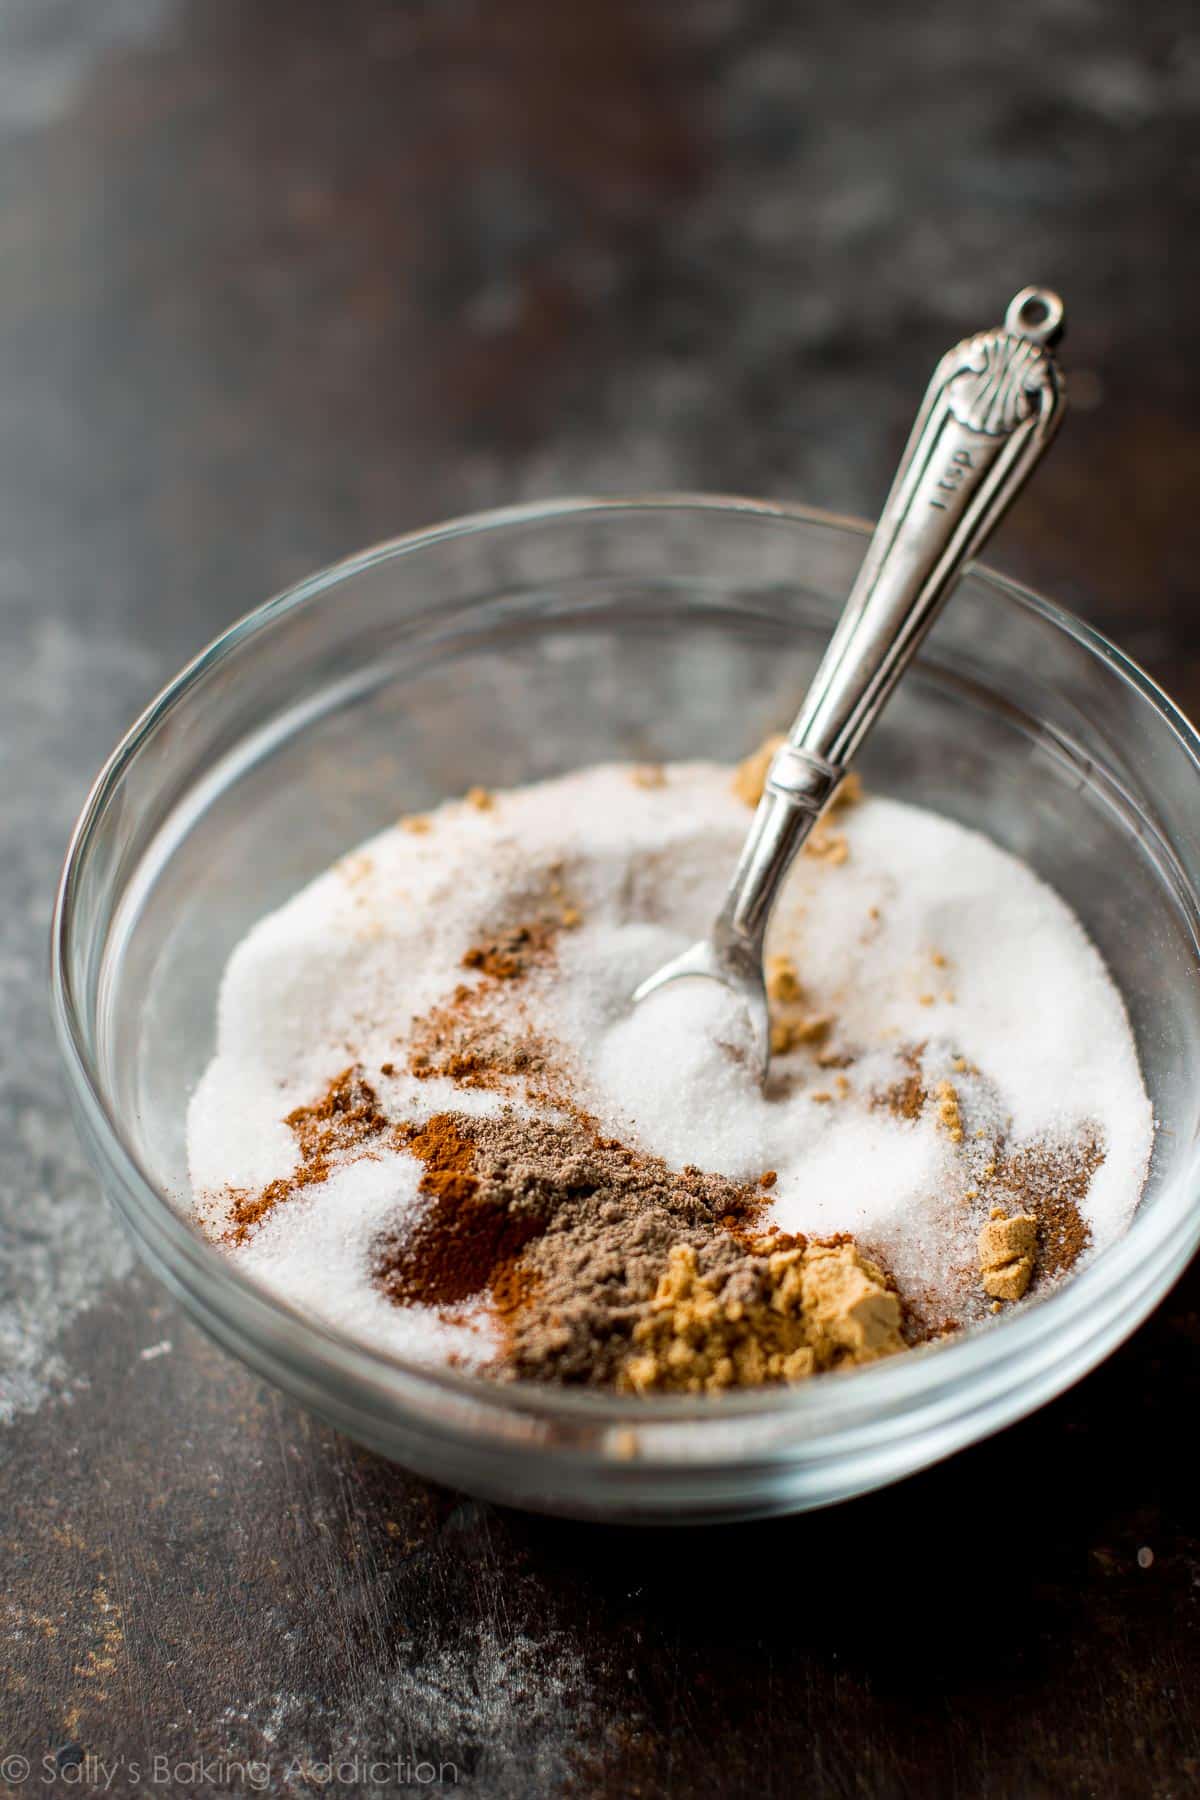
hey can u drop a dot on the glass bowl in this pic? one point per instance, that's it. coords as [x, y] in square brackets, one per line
[520, 644]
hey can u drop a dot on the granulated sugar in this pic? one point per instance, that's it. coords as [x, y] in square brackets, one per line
[951, 1030]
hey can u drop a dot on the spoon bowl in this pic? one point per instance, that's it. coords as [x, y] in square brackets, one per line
[728, 960]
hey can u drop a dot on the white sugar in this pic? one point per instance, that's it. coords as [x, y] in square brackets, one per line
[929, 950]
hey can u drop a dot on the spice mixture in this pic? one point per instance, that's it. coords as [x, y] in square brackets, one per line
[434, 1120]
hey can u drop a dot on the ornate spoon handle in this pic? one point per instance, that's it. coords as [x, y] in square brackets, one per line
[993, 406]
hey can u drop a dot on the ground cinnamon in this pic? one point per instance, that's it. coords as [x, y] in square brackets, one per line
[465, 1238]
[345, 1118]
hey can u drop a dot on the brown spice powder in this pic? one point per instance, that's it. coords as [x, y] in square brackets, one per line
[566, 1231]
[466, 1237]
[469, 1038]
[346, 1118]
[467, 1041]
[513, 953]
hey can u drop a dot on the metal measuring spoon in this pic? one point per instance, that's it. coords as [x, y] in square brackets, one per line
[993, 406]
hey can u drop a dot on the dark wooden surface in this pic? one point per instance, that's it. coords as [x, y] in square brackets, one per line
[279, 278]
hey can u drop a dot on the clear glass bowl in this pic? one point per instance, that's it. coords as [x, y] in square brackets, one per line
[520, 644]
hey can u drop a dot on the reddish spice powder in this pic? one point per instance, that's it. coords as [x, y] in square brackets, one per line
[514, 1288]
[464, 1243]
[345, 1118]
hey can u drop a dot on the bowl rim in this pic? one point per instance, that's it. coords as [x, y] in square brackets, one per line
[897, 1385]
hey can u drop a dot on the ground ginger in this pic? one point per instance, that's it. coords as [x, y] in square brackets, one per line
[788, 1310]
